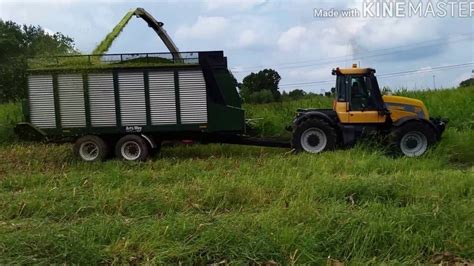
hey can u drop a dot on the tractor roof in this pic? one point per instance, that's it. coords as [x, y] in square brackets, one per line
[352, 71]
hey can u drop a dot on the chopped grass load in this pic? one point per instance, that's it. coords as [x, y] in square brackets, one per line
[105, 44]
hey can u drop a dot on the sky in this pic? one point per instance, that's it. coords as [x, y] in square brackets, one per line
[413, 52]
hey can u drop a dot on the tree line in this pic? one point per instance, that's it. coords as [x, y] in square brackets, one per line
[263, 87]
[17, 44]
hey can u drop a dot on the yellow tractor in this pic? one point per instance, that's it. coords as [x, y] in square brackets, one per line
[359, 109]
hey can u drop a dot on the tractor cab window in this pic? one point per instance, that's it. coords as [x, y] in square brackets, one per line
[341, 89]
[361, 98]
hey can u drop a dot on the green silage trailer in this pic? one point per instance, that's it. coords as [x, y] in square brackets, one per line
[130, 103]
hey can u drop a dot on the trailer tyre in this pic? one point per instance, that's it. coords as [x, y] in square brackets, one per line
[314, 136]
[132, 148]
[91, 148]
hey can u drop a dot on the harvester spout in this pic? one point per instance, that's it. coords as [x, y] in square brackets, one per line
[158, 28]
[152, 23]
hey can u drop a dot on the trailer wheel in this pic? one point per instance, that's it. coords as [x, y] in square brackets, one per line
[132, 148]
[314, 136]
[91, 148]
[411, 139]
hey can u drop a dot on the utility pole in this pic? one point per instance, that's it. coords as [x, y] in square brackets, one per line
[434, 81]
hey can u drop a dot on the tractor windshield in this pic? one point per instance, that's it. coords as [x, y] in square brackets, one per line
[361, 96]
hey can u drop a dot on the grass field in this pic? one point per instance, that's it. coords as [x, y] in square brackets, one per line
[236, 204]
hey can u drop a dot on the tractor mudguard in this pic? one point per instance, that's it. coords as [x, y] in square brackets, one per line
[346, 133]
[314, 114]
[437, 124]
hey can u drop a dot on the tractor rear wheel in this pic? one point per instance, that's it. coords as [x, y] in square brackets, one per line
[411, 139]
[91, 148]
[314, 136]
[132, 148]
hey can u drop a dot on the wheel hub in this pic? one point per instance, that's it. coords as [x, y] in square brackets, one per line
[131, 150]
[89, 151]
[313, 140]
[413, 144]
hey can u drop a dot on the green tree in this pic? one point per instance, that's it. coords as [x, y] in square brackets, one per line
[467, 83]
[264, 96]
[296, 94]
[17, 44]
[265, 80]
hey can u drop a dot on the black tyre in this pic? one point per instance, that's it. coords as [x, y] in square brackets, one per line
[91, 148]
[132, 148]
[314, 136]
[411, 139]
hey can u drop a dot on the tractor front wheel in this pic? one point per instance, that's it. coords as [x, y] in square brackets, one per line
[412, 139]
[314, 136]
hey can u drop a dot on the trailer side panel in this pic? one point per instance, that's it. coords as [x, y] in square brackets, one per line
[162, 98]
[71, 100]
[41, 101]
[101, 99]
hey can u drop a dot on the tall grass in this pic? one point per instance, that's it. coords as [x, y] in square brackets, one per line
[10, 114]
[272, 118]
[240, 205]
[457, 105]
[237, 204]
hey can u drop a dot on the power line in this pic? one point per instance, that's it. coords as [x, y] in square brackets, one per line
[427, 70]
[397, 50]
[368, 54]
[389, 75]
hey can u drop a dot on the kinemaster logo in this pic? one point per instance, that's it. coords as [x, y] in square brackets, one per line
[401, 9]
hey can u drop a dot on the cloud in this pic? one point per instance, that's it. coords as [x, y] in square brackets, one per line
[237, 32]
[233, 4]
[320, 73]
[49, 31]
[247, 38]
[314, 41]
[293, 39]
[204, 28]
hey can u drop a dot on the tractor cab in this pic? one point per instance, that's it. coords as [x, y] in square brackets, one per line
[358, 98]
